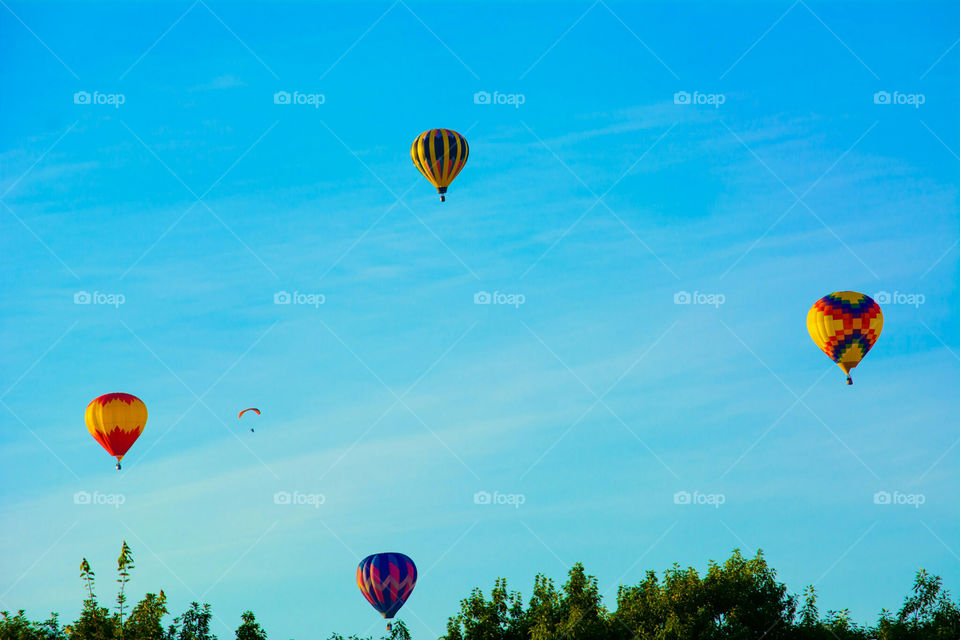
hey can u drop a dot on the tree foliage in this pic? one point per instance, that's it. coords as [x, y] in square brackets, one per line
[144, 621]
[399, 632]
[739, 599]
[249, 628]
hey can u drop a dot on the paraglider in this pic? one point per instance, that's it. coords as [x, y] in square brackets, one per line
[256, 411]
[439, 154]
[386, 580]
[845, 325]
[116, 420]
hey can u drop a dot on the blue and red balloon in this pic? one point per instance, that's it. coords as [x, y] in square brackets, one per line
[386, 580]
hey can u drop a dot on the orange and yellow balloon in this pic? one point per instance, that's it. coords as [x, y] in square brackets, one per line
[845, 325]
[439, 154]
[116, 420]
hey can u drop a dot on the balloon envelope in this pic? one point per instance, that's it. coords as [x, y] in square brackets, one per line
[116, 420]
[845, 325]
[386, 580]
[439, 154]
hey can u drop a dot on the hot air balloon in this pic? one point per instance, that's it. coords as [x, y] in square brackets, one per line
[386, 580]
[256, 411]
[845, 325]
[439, 154]
[116, 420]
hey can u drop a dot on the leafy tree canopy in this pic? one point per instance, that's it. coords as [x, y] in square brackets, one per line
[739, 599]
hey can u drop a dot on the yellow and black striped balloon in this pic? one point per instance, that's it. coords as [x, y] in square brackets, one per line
[439, 154]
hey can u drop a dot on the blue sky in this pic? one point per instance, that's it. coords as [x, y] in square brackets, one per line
[599, 200]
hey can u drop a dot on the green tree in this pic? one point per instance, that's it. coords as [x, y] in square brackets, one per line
[581, 611]
[542, 616]
[745, 600]
[739, 599]
[839, 625]
[124, 564]
[193, 624]
[95, 622]
[146, 619]
[86, 574]
[928, 614]
[399, 632]
[640, 609]
[249, 629]
[50, 629]
[575, 612]
[18, 627]
[809, 616]
[500, 618]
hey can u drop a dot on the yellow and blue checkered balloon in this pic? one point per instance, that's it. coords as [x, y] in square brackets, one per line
[845, 325]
